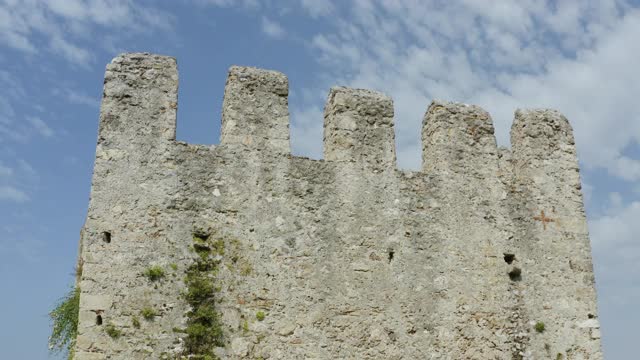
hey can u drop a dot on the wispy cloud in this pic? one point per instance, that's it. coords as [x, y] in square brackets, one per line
[64, 26]
[573, 56]
[272, 28]
[12, 87]
[304, 130]
[10, 193]
[26, 168]
[512, 54]
[76, 97]
[617, 249]
[71, 52]
[6, 111]
[18, 133]
[5, 171]
[247, 4]
[40, 126]
[18, 41]
[317, 8]
[625, 168]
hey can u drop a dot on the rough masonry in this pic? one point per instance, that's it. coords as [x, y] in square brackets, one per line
[482, 254]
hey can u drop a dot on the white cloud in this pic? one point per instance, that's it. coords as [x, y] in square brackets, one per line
[305, 126]
[333, 51]
[272, 28]
[71, 52]
[9, 178]
[317, 8]
[10, 193]
[76, 97]
[40, 126]
[595, 90]
[247, 4]
[5, 171]
[12, 88]
[68, 8]
[67, 26]
[12, 33]
[625, 168]
[19, 134]
[18, 41]
[6, 111]
[617, 247]
[26, 168]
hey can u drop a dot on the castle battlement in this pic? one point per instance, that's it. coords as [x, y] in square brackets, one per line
[346, 257]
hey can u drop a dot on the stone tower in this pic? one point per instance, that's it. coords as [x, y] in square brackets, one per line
[243, 251]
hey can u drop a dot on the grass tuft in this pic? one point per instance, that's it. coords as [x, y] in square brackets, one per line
[113, 331]
[135, 322]
[154, 273]
[148, 313]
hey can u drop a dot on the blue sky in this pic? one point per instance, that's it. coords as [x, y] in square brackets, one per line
[580, 57]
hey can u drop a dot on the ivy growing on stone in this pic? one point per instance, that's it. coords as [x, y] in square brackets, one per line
[204, 329]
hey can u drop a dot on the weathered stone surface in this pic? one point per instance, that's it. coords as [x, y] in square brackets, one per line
[347, 257]
[255, 110]
[359, 127]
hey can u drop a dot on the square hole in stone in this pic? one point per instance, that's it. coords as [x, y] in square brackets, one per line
[508, 258]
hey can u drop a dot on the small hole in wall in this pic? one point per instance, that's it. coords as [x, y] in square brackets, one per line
[508, 258]
[391, 254]
[106, 237]
[591, 316]
[515, 274]
[99, 320]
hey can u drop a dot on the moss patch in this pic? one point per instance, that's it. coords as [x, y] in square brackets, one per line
[246, 269]
[539, 326]
[64, 329]
[218, 247]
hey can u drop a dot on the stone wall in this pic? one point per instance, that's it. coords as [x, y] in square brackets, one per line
[341, 258]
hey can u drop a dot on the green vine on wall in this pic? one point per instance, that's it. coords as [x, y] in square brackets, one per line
[204, 329]
[64, 319]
